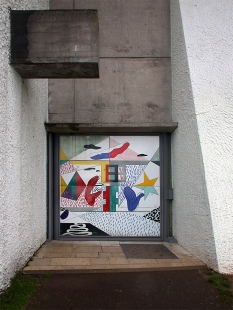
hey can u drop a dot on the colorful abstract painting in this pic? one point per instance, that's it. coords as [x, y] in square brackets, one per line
[109, 186]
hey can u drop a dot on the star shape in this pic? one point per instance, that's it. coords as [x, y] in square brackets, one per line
[148, 186]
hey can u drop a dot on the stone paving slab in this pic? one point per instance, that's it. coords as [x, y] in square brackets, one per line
[103, 256]
[59, 250]
[106, 254]
[91, 249]
[112, 249]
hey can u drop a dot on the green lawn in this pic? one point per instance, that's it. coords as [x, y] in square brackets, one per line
[18, 294]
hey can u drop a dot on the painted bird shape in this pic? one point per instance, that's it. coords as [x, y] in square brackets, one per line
[132, 199]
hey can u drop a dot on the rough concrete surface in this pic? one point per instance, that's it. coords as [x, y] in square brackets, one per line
[134, 87]
[55, 43]
[202, 146]
[22, 155]
[129, 91]
[131, 28]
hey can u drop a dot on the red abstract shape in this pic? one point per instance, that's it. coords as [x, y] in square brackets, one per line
[106, 194]
[90, 198]
[107, 173]
[80, 185]
[118, 151]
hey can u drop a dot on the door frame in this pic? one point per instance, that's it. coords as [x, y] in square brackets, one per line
[53, 215]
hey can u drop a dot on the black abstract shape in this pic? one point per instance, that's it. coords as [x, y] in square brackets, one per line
[92, 147]
[64, 214]
[154, 215]
[89, 169]
[141, 155]
[89, 231]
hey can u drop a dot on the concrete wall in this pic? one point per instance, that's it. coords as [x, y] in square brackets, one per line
[202, 146]
[22, 155]
[134, 88]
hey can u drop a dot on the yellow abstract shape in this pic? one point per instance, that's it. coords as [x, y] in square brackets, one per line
[101, 163]
[147, 181]
[63, 185]
[63, 155]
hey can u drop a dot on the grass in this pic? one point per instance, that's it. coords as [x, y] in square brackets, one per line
[222, 283]
[19, 293]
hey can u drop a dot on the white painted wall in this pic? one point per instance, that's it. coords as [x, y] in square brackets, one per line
[202, 146]
[22, 155]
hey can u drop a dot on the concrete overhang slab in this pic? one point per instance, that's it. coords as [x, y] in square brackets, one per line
[74, 128]
[55, 43]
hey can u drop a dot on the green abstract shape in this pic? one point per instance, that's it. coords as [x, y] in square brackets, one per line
[148, 190]
[156, 156]
[72, 186]
[62, 162]
[74, 145]
[113, 199]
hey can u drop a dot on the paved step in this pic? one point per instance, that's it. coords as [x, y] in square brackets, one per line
[104, 256]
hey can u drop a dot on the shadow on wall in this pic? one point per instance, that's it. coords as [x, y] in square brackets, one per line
[192, 223]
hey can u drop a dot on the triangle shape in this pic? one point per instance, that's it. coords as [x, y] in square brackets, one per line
[67, 194]
[156, 156]
[72, 186]
[66, 168]
[67, 177]
[62, 182]
[156, 163]
[63, 162]
[113, 142]
[154, 215]
[63, 155]
[80, 185]
[63, 185]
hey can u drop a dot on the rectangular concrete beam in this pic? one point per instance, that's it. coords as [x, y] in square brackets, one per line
[77, 128]
[55, 43]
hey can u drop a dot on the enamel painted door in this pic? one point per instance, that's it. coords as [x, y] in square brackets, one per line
[109, 186]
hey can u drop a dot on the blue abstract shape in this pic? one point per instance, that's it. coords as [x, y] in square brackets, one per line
[132, 200]
[133, 172]
[64, 214]
[101, 156]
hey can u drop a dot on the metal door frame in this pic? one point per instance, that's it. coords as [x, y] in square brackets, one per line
[166, 195]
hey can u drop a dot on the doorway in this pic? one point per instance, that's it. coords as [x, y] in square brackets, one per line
[109, 186]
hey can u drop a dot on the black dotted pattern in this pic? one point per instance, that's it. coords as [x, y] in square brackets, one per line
[154, 215]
